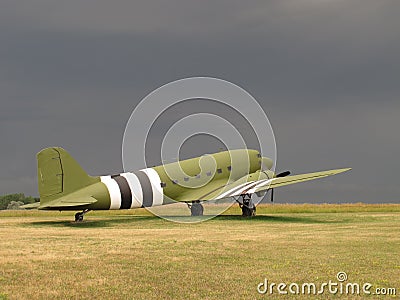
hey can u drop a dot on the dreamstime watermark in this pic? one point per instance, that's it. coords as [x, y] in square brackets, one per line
[149, 122]
[340, 286]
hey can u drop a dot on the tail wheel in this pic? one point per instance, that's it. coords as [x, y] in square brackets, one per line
[78, 217]
[196, 209]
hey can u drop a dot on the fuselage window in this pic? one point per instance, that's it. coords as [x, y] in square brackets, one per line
[174, 181]
[198, 176]
[163, 184]
[219, 171]
[229, 168]
[186, 178]
[208, 173]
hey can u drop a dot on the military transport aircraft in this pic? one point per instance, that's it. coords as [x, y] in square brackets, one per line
[64, 185]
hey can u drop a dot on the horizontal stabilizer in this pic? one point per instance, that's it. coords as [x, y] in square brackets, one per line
[65, 202]
[34, 205]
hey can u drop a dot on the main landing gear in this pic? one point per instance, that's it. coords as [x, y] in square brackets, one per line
[79, 215]
[247, 206]
[196, 209]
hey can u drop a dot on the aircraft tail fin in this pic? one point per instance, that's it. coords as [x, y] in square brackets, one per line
[59, 174]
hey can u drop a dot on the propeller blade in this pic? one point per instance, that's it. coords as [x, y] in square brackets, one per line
[283, 174]
[263, 167]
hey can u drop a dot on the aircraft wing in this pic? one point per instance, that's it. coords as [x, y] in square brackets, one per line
[266, 184]
[219, 189]
[282, 181]
[64, 202]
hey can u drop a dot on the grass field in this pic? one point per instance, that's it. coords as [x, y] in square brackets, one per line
[134, 255]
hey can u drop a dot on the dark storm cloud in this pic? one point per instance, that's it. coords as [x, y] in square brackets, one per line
[326, 72]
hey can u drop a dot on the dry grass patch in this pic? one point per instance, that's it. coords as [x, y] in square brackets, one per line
[133, 255]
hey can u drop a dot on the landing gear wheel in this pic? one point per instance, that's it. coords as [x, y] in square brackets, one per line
[79, 217]
[248, 212]
[196, 209]
[247, 206]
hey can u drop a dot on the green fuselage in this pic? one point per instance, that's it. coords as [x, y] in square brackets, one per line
[200, 178]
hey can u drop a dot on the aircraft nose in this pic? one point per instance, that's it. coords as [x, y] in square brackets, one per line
[267, 163]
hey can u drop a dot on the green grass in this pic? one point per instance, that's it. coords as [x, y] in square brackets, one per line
[134, 255]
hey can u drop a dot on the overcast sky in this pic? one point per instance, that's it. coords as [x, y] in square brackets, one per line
[326, 72]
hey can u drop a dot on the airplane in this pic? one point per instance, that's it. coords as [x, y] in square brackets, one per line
[238, 174]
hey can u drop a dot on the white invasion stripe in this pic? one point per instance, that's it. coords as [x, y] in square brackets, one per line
[158, 194]
[244, 189]
[263, 182]
[136, 189]
[238, 192]
[113, 190]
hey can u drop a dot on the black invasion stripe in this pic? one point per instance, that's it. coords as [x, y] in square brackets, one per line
[232, 192]
[126, 194]
[218, 188]
[249, 187]
[238, 189]
[146, 188]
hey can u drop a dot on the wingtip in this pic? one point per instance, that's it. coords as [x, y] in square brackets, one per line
[343, 170]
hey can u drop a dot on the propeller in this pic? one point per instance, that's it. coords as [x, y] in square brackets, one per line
[282, 174]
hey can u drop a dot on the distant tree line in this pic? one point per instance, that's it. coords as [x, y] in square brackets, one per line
[14, 201]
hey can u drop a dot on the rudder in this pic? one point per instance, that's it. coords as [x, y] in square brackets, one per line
[59, 174]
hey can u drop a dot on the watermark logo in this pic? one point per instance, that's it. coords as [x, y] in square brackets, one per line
[176, 112]
[341, 276]
[340, 286]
